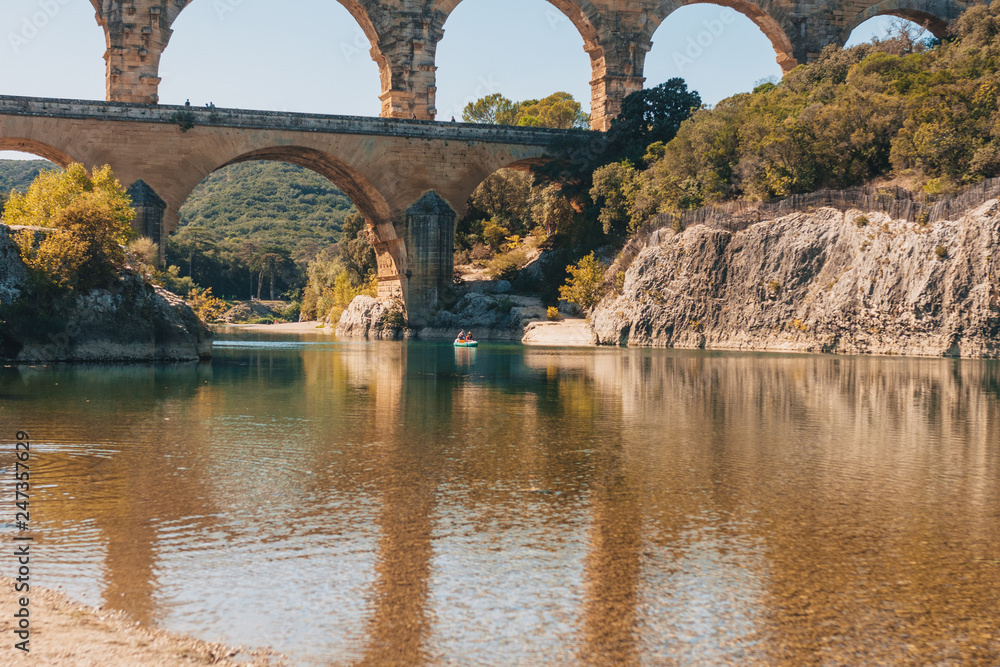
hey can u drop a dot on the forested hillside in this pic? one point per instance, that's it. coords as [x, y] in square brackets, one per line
[270, 203]
[18, 174]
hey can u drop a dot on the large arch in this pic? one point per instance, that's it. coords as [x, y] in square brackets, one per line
[586, 18]
[932, 15]
[390, 250]
[39, 148]
[765, 14]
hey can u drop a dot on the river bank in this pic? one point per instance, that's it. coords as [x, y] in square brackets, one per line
[64, 632]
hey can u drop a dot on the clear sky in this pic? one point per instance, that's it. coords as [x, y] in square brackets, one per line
[312, 57]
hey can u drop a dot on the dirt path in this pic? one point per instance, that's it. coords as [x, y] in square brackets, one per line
[66, 633]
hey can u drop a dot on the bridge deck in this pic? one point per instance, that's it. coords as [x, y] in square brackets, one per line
[280, 120]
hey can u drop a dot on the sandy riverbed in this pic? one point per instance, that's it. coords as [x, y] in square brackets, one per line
[64, 632]
[565, 333]
[288, 328]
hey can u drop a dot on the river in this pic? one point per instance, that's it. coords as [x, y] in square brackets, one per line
[414, 503]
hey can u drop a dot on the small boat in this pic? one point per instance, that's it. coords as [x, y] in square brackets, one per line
[466, 343]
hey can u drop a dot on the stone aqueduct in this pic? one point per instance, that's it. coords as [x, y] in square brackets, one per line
[409, 176]
[616, 34]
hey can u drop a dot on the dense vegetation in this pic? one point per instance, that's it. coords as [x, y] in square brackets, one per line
[251, 229]
[17, 175]
[272, 203]
[559, 111]
[90, 219]
[921, 114]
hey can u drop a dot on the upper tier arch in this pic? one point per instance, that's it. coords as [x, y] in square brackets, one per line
[765, 14]
[932, 15]
[404, 35]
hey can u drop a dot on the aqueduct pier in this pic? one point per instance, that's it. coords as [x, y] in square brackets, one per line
[616, 34]
[409, 178]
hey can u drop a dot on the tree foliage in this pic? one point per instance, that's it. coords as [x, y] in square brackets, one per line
[558, 111]
[585, 282]
[90, 219]
[898, 108]
[651, 115]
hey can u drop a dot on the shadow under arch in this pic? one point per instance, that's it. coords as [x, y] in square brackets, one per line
[477, 177]
[41, 149]
[765, 14]
[932, 15]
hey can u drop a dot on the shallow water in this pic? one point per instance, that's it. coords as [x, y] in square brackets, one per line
[414, 503]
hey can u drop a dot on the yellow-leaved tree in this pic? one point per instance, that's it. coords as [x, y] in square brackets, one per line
[585, 282]
[90, 218]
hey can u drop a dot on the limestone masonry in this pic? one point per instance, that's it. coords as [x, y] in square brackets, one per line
[616, 34]
[410, 179]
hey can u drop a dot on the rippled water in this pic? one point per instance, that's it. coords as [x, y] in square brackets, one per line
[413, 503]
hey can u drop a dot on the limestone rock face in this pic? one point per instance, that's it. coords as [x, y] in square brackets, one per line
[365, 318]
[850, 283]
[134, 322]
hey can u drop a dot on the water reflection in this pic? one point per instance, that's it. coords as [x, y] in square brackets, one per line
[408, 504]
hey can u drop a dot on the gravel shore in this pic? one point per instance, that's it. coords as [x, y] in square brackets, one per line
[64, 632]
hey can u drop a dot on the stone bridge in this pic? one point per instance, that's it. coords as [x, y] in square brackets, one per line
[409, 178]
[616, 34]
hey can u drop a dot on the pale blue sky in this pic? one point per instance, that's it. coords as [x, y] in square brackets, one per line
[312, 57]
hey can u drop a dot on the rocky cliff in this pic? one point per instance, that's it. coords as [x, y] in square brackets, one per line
[827, 281]
[132, 322]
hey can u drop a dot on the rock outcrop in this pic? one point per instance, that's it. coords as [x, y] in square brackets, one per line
[133, 322]
[828, 281]
[485, 307]
[368, 317]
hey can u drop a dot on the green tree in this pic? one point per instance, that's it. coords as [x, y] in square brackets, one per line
[585, 282]
[650, 115]
[493, 109]
[52, 192]
[559, 111]
[356, 251]
[505, 195]
[90, 216]
[271, 263]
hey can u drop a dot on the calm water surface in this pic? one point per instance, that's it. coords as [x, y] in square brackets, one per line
[411, 503]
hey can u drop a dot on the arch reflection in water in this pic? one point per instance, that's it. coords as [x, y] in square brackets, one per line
[391, 502]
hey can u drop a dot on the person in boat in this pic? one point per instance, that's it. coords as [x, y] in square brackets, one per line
[469, 338]
[461, 336]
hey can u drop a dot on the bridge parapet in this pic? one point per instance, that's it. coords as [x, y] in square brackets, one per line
[281, 120]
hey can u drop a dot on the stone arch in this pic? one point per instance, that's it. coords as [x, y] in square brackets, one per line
[358, 189]
[584, 17]
[765, 14]
[932, 15]
[39, 148]
[389, 248]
